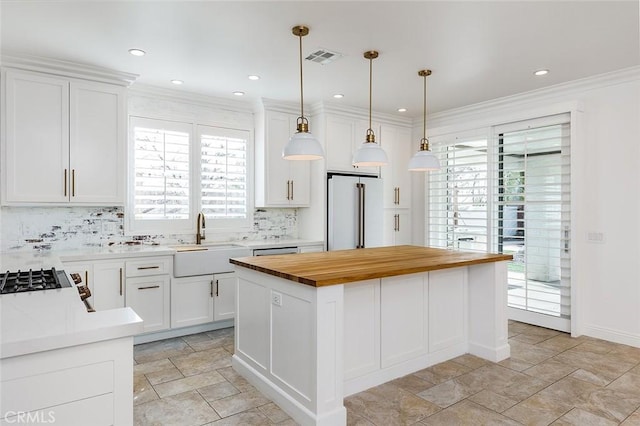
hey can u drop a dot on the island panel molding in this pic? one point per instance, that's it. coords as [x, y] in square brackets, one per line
[344, 266]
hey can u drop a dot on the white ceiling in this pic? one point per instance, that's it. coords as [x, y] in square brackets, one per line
[478, 50]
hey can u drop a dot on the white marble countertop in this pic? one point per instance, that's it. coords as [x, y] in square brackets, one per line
[51, 319]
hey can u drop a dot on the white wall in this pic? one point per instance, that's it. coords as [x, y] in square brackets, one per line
[605, 193]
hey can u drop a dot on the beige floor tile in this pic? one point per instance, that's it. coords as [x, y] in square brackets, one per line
[632, 420]
[492, 377]
[218, 391]
[188, 383]
[530, 353]
[250, 417]
[515, 364]
[568, 391]
[142, 390]
[467, 413]
[628, 382]
[274, 413]
[532, 339]
[537, 410]
[579, 417]
[522, 389]
[442, 372]
[608, 366]
[150, 367]
[288, 422]
[449, 392]
[591, 377]
[412, 383]
[162, 376]
[238, 403]
[493, 401]
[202, 361]
[389, 405]
[550, 370]
[470, 361]
[210, 343]
[236, 379]
[357, 420]
[609, 403]
[561, 342]
[154, 351]
[187, 408]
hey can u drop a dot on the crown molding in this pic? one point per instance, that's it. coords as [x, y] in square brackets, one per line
[191, 98]
[67, 69]
[359, 113]
[547, 94]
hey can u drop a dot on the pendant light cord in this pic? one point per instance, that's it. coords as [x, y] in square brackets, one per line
[301, 85]
[424, 108]
[370, 89]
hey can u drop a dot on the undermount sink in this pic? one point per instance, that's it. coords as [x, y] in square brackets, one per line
[195, 259]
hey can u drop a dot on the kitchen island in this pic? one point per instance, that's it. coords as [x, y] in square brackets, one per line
[313, 328]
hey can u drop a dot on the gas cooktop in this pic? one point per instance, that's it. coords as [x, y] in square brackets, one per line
[32, 280]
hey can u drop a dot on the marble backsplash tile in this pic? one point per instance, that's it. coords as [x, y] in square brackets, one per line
[72, 228]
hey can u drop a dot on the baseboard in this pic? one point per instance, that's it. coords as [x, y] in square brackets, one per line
[611, 335]
[177, 332]
[292, 407]
[490, 354]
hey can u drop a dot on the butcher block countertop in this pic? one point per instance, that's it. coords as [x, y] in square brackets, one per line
[344, 266]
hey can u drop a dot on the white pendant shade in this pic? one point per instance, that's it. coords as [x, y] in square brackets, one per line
[423, 161]
[302, 146]
[370, 154]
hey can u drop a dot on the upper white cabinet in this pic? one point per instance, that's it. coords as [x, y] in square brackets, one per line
[396, 142]
[64, 140]
[343, 136]
[279, 182]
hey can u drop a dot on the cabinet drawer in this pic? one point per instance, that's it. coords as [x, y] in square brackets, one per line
[149, 266]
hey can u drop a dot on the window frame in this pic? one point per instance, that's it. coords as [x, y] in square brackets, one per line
[133, 226]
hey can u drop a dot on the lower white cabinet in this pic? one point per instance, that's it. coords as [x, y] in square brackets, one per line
[397, 227]
[202, 299]
[108, 285]
[149, 297]
[191, 301]
[447, 320]
[224, 300]
[311, 249]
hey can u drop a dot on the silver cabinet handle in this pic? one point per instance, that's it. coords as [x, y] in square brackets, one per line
[148, 267]
[211, 288]
[65, 182]
[148, 287]
[292, 190]
[288, 190]
[73, 182]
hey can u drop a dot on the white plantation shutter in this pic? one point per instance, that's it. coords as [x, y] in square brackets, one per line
[223, 180]
[458, 193]
[533, 207]
[161, 166]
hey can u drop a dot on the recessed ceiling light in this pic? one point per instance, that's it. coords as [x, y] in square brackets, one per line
[177, 82]
[338, 96]
[402, 110]
[254, 77]
[541, 72]
[137, 52]
[238, 93]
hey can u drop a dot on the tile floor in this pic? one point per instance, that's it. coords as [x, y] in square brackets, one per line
[550, 378]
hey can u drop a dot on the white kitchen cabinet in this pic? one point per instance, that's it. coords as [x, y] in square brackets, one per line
[191, 300]
[311, 249]
[279, 182]
[397, 227]
[149, 298]
[224, 300]
[361, 328]
[108, 285]
[202, 299]
[447, 320]
[64, 141]
[396, 142]
[343, 136]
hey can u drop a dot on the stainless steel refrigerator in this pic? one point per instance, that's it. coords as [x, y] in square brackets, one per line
[354, 212]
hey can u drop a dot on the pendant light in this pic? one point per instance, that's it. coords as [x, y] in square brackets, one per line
[302, 145]
[424, 160]
[370, 153]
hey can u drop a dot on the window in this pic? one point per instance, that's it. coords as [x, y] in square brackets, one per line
[174, 176]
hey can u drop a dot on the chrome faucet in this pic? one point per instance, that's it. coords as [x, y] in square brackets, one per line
[200, 228]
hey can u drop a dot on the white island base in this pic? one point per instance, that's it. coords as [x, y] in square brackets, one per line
[308, 347]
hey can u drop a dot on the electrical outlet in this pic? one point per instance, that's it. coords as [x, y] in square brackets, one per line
[276, 298]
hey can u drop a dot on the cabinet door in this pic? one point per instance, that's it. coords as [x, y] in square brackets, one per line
[191, 300]
[224, 301]
[97, 143]
[108, 285]
[403, 308]
[277, 180]
[447, 308]
[37, 138]
[149, 297]
[340, 134]
[311, 249]
[396, 142]
[361, 328]
[397, 227]
[85, 270]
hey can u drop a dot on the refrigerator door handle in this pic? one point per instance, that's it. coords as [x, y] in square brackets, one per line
[360, 239]
[362, 211]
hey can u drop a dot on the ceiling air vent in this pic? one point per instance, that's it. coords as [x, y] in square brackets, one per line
[323, 56]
